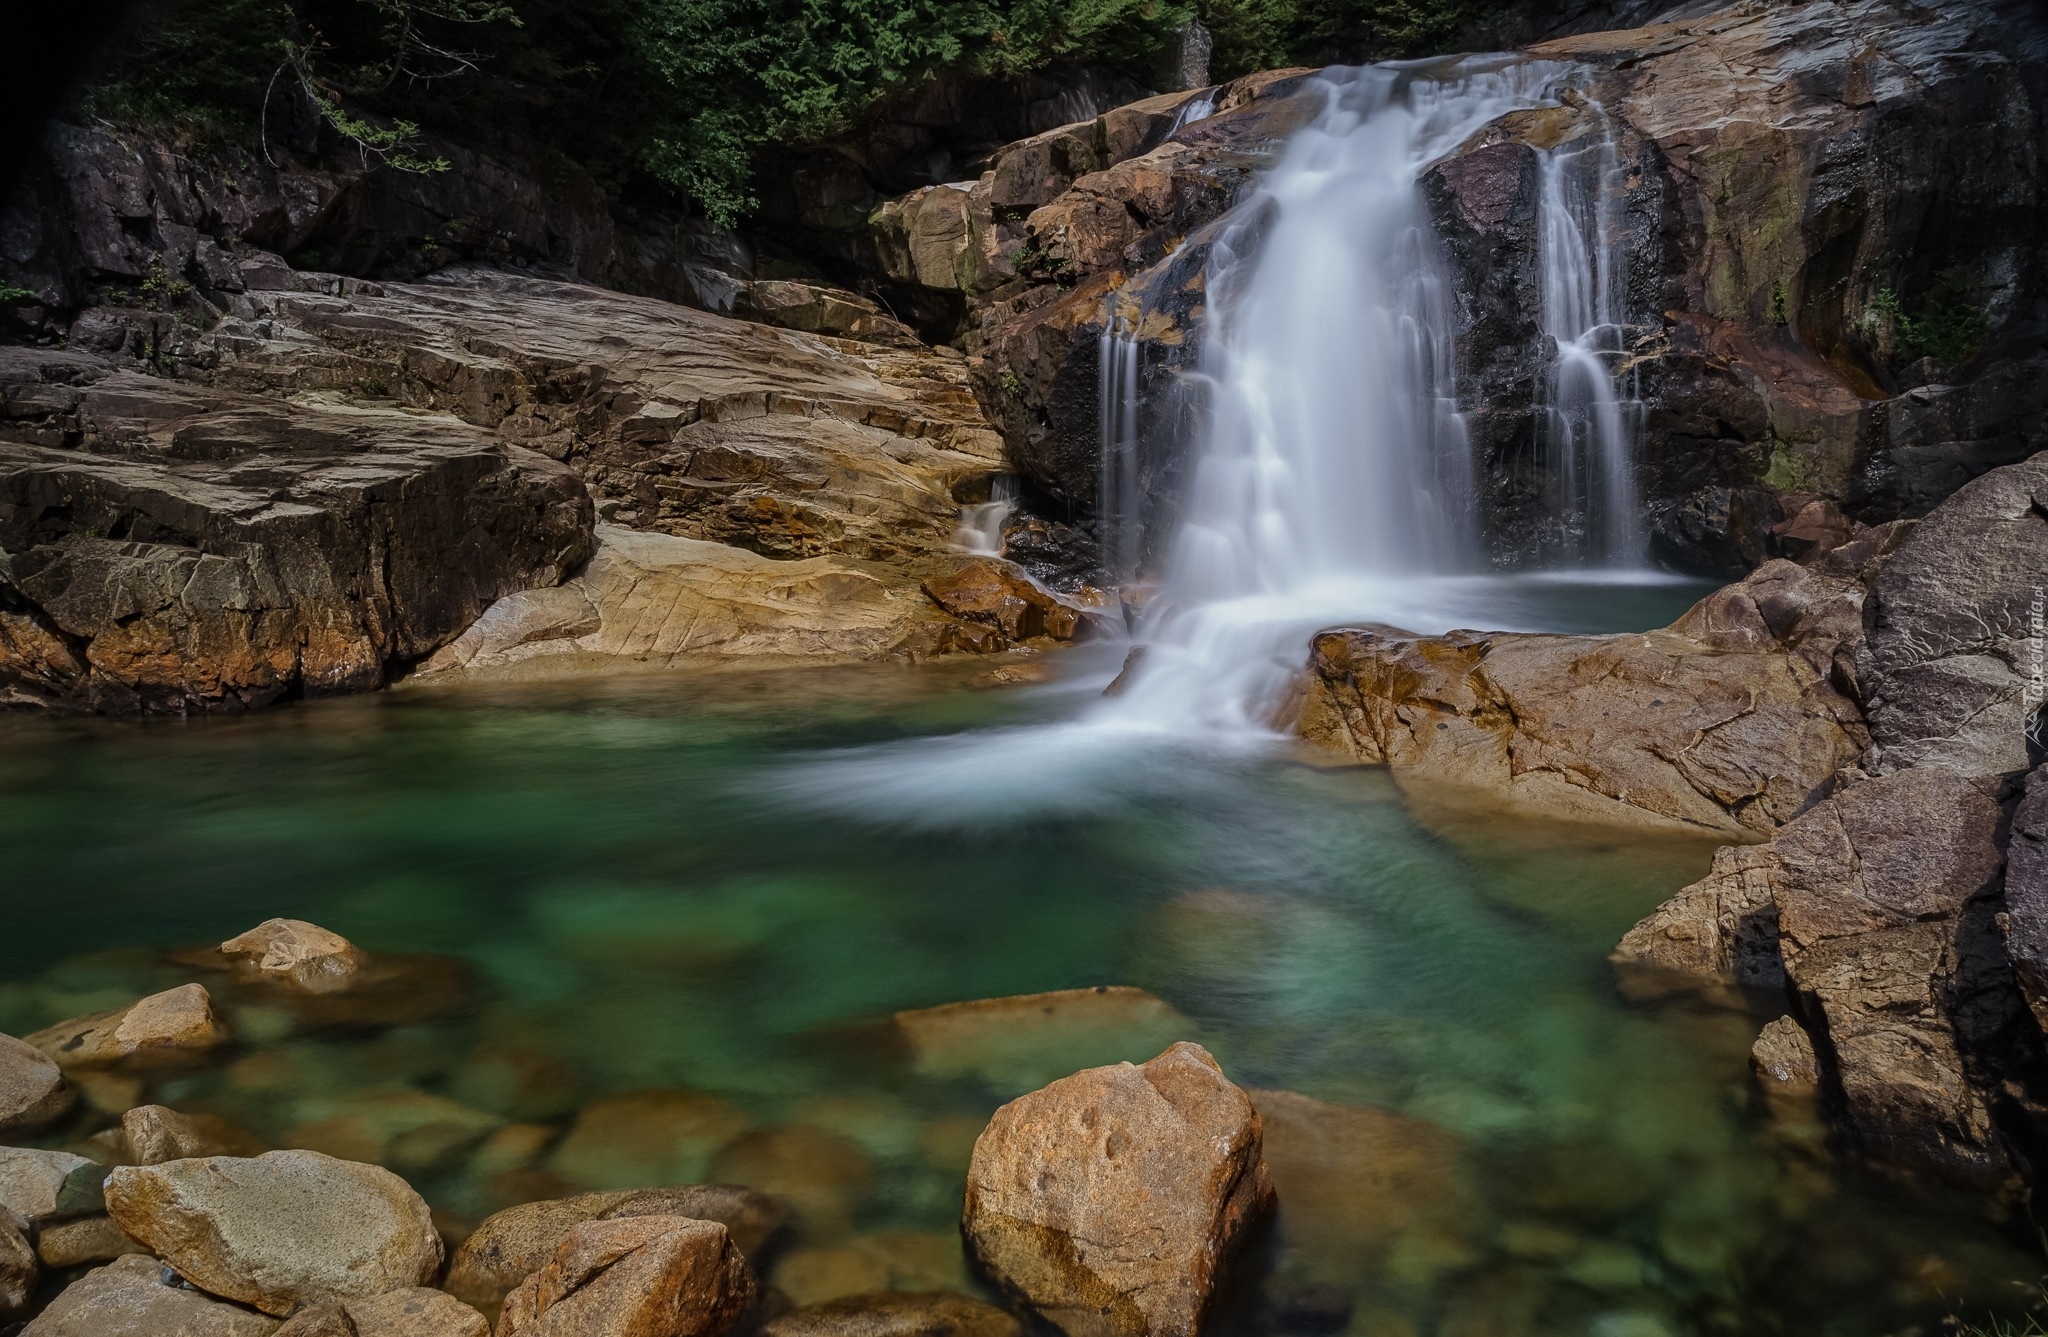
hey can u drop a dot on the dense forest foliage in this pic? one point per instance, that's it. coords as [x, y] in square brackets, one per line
[676, 94]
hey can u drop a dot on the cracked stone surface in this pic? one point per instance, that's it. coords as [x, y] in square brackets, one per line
[1730, 720]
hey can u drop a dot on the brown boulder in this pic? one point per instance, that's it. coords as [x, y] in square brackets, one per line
[280, 1230]
[1731, 720]
[296, 952]
[932, 1314]
[514, 1244]
[1111, 1202]
[173, 1023]
[32, 1088]
[640, 1276]
[128, 1298]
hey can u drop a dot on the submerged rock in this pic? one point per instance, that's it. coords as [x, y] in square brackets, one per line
[1730, 720]
[514, 1244]
[296, 952]
[170, 1024]
[1112, 1202]
[280, 1230]
[153, 1134]
[407, 1130]
[646, 1137]
[128, 1298]
[33, 1091]
[1355, 1184]
[891, 1315]
[819, 1175]
[636, 1275]
[1016, 1043]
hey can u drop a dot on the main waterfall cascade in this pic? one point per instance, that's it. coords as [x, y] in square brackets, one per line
[1335, 480]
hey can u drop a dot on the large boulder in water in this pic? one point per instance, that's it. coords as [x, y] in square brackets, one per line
[1730, 720]
[1112, 1202]
[280, 1230]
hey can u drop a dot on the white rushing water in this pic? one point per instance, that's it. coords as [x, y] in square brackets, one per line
[1588, 418]
[980, 531]
[1334, 481]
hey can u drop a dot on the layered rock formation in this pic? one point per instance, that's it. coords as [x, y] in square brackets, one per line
[321, 490]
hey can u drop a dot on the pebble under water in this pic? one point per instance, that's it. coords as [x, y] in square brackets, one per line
[630, 908]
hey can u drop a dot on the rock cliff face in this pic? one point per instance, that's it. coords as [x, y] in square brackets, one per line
[1830, 224]
[1898, 916]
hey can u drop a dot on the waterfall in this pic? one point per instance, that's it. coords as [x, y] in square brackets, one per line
[1117, 510]
[980, 530]
[1334, 478]
[1587, 424]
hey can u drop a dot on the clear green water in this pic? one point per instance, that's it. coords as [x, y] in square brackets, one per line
[643, 905]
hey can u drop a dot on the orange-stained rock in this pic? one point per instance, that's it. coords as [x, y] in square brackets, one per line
[888, 1314]
[640, 1276]
[1111, 1202]
[998, 595]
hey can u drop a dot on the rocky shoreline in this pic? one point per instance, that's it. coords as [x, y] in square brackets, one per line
[1868, 718]
[1116, 1200]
